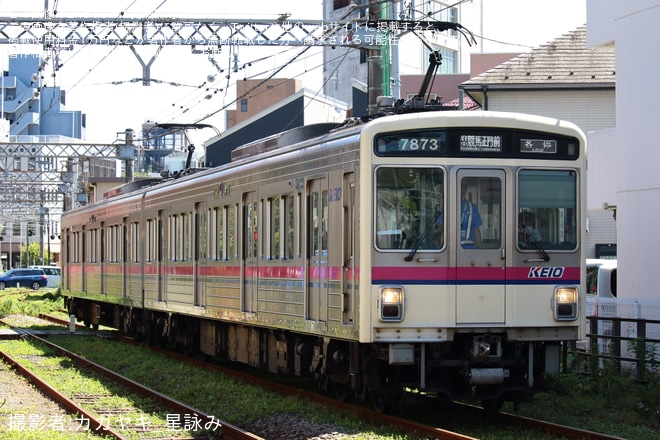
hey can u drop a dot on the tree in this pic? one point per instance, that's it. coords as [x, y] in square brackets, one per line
[31, 255]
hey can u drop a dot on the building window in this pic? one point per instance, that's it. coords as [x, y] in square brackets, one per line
[244, 106]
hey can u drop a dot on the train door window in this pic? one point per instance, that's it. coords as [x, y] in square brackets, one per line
[252, 237]
[231, 231]
[102, 250]
[289, 227]
[199, 233]
[274, 228]
[324, 223]
[299, 225]
[172, 237]
[215, 233]
[83, 246]
[547, 206]
[135, 242]
[480, 212]
[149, 244]
[409, 207]
[160, 236]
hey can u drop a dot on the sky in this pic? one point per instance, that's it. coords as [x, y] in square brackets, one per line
[101, 81]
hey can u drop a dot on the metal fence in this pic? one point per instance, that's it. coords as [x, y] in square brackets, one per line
[623, 335]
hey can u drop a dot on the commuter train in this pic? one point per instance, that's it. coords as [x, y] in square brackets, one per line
[435, 253]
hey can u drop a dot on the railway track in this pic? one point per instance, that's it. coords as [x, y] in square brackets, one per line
[121, 421]
[398, 423]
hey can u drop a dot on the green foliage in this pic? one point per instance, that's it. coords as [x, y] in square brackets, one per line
[26, 302]
[31, 255]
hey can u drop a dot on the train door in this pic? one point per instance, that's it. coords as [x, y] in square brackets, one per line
[83, 257]
[317, 224]
[200, 243]
[123, 242]
[250, 251]
[102, 269]
[348, 274]
[160, 255]
[480, 246]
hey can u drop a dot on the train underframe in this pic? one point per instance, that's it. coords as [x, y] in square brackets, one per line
[485, 367]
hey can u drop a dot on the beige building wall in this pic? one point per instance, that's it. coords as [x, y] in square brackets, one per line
[256, 95]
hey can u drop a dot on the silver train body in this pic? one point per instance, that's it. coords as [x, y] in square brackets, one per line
[350, 256]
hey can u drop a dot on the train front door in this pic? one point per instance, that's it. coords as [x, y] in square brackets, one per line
[317, 271]
[250, 251]
[480, 246]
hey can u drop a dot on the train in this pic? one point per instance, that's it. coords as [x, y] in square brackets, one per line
[434, 254]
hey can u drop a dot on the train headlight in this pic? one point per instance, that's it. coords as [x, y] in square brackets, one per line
[391, 303]
[565, 303]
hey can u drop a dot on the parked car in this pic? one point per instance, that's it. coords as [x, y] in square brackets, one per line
[601, 278]
[53, 273]
[30, 277]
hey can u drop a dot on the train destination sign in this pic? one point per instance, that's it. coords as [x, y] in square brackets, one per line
[548, 146]
[480, 143]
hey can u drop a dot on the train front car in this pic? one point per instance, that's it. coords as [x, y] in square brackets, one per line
[474, 245]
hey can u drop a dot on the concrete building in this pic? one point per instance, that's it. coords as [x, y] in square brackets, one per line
[630, 182]
[33, 115]
[32, 109]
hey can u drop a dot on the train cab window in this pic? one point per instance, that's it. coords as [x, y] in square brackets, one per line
[409, 202]
[547, 206]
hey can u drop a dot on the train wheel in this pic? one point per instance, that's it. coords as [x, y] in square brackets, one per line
[492, 405]
[344, 392]
[381, 403]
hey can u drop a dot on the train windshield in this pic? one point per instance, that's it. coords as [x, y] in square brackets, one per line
[408, 203]
[547, 204]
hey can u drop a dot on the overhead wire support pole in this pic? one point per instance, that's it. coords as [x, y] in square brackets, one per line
[54, 32]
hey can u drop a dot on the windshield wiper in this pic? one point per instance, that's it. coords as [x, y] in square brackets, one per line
[421, 238]
[535, 244]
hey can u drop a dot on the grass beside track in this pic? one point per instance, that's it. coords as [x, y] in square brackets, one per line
[606, 402]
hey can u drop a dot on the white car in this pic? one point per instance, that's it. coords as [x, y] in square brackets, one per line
[601, 278]
[53, 274]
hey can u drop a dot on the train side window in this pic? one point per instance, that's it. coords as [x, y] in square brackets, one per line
[113, 243]
[75, 247]
[93, 245]
[186, 253]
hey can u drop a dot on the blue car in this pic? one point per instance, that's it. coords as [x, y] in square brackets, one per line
[34, 278]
